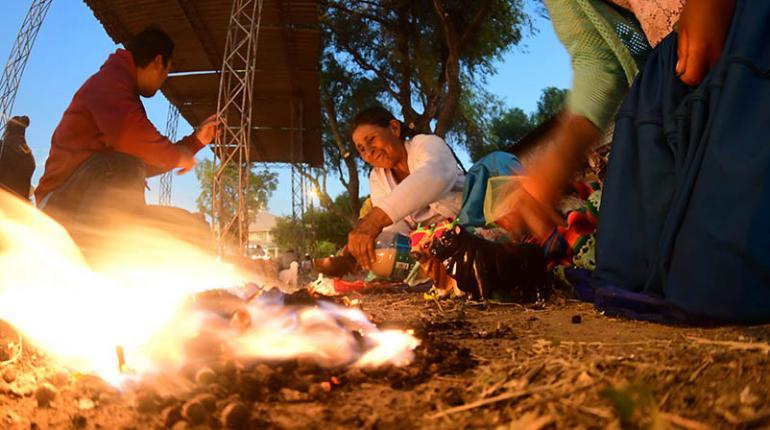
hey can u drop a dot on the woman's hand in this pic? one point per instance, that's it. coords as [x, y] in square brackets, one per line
[361, 239]
[703, 28]
[532, 204]
[531, 210]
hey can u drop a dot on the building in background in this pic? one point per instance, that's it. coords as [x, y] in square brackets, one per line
[260, 239]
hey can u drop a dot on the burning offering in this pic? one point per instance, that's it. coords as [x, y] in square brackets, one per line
[150, 304]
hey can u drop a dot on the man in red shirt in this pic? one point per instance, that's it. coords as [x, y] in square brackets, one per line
[105, 146]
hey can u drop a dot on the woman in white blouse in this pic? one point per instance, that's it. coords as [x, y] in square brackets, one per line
[415, 179]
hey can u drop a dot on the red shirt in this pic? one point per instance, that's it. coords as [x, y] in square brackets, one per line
[107, 114]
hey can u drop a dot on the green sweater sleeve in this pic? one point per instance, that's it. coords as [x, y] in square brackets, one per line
[599, 80]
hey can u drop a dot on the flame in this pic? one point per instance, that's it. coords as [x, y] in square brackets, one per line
[135, 293]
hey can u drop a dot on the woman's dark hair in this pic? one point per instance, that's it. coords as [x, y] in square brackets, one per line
[379, 116]
[148, 44]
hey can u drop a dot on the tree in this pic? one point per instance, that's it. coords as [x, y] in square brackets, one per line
[511, 125]
[262, 183]
[552, 101]
[316, 233]
[423, 59]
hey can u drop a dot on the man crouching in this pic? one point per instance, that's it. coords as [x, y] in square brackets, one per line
[105, 146]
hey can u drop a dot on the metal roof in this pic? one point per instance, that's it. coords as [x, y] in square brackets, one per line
[287, 66]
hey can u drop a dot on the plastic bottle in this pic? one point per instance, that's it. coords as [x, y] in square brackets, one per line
[391, 256]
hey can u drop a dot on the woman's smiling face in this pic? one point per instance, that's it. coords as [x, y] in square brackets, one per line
[379, 146]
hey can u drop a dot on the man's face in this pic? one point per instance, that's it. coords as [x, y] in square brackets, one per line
[149, 79]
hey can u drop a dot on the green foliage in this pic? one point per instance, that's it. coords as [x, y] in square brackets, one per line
[552, 101]
[325, 249]
[320, 230]
[511, 125]
[635, 406]
[261, 186]
[427, 67]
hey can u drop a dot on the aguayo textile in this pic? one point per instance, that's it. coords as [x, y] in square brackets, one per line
[685, 211]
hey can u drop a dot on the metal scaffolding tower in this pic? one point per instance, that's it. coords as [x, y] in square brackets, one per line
[172, 121]
[17, 60]
[232, 148]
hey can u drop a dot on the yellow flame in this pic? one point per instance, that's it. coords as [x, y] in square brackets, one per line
[133, 292]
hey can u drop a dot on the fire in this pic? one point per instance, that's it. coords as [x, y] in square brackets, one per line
[135, 297]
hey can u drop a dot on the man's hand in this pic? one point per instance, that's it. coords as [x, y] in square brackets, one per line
[361, 239]
[703, 28]
[207, 130]
[186, 161]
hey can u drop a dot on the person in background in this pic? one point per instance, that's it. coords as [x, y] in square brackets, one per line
[415, 179]
[16, 161]
[105, 146]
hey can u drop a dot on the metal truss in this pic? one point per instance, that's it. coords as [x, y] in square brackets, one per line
[172, 122]
[232, 147]
[17, 60]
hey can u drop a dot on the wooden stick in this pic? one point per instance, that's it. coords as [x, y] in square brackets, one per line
[499, 398]
[685, 423]
[744, 346]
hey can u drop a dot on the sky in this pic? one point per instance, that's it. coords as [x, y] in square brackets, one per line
[72, 45]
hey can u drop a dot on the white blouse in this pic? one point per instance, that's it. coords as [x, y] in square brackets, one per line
[432, 191]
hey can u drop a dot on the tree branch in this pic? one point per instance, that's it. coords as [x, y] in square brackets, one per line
[365, 65]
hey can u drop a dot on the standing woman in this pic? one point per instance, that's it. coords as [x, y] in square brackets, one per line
[415, 179]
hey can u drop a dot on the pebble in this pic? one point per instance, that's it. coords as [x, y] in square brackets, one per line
[209, 401]
[45, 394]
[79, 421]
[9, 375]
[61, 378]
[577, 319]
[205, 376]
[86, 404]
[181, 425]
[194, 412]
[235, 416]
[289, 395]
[171, 415]
[147, 403]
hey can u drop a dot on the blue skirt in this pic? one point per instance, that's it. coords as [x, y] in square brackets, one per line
[685, 211]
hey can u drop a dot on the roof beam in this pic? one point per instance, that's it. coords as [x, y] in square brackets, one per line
[201, 32]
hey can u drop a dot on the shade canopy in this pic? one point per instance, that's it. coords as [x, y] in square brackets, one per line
[286, 102]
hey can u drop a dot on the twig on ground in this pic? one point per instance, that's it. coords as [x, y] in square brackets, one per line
[500, 398]
[697, 372]
[743, 346]
[682, 422]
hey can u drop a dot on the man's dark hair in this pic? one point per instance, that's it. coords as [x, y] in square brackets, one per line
[148, 44]
[381, 117]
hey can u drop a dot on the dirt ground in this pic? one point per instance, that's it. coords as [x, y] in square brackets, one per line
[556, 365]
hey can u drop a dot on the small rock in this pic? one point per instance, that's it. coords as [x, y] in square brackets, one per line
[181, 425]
[747, 397]
[45, 394]
[9, 375]
[577, 319]
[147, 403]
[171, 415]
[326, 386]
[208, 401]
[194, 412]
[235, 416]
[205, 376]
[86, 404]
[79, 421]
[60, 378]
[290, 395]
